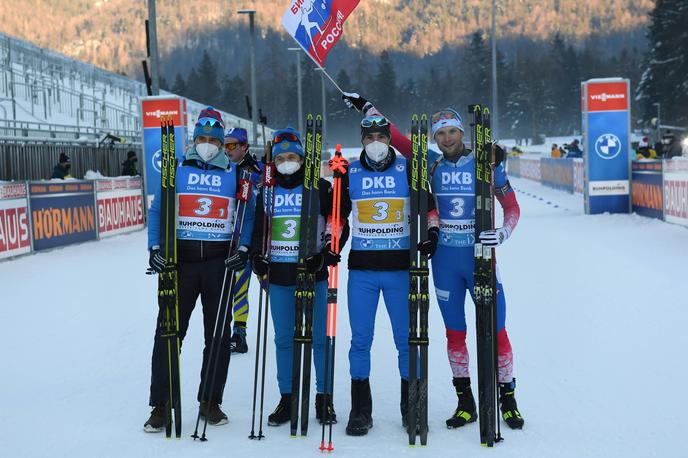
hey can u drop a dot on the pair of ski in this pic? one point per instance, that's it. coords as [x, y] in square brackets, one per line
[485, 280]
[419, 298]
[168, 325]
[305, 282]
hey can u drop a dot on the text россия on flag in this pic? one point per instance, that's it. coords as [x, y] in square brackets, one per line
[317, 24]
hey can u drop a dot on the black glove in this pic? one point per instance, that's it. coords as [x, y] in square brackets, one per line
[314, 263]
[429, 246]
[156, 261]
[260, 264]
[238, 260]
[355, 101]
[330, 258]
[249, 163]
[499, 153]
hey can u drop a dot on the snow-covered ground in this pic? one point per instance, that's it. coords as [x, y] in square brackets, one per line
[596, 315]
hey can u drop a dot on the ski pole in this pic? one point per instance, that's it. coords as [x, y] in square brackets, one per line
[338, 165]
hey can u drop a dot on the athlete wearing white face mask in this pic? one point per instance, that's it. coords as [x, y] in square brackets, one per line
[377, 190]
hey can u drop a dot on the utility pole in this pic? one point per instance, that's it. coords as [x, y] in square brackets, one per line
[254, 101]
[495, 101]
[298, 86]
[155, 62]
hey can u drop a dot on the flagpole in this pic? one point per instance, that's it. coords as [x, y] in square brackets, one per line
[322, 69]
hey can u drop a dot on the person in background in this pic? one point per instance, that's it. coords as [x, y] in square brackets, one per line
[129, 166]
[236, 147]
[644, 150]
[61, 169]
[672, 145]
[573, 149]
[555, 151]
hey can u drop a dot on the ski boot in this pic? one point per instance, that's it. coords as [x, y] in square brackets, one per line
[212, 412]
[282, 413]
[465, 411]
[507, 404]
[237, 344]
[330, 418]
[360, 418]
[156, 422]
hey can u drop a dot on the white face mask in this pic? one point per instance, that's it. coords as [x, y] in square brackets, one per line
[376, 151]
[288, 167]
[207, 151]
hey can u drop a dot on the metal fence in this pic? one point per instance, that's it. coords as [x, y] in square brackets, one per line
[35, 161]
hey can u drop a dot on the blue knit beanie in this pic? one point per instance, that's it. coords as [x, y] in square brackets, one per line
[210, 124]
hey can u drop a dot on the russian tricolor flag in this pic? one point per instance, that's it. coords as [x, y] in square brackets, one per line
[317, 24]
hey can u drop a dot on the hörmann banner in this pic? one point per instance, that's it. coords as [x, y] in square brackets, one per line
[120, 206]
[606, 145]
[152, 108]
[646, 188]
[62, 213]
[15, 229]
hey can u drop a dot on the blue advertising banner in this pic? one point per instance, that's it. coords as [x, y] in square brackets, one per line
[606, 121]
[647, 189]
[62, 213]
[557, 173]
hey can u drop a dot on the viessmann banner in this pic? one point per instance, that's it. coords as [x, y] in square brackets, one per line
[62, 213]
[647, 188]
[606, 145]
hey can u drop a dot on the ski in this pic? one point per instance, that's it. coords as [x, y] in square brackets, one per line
[313, 239]
[243, 197]
[485, 294]
[167, 280]
[305, 282]
[418, 285]
[424, 296]
[339, 167]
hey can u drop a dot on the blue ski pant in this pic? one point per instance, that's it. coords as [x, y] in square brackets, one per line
[364, 288]
[282, 309]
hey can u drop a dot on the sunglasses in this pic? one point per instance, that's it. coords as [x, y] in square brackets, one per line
[445, 114]
[379, 121]
[232, 146]
[212, 122]
[286, 136]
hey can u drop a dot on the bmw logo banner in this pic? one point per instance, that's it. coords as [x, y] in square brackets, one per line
[606, 145]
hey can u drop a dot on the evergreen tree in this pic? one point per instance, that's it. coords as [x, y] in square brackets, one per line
[665, 79]
[209, 89]
[385, 84]
[476, 69]
[179, 86]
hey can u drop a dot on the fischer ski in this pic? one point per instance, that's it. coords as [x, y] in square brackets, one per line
[305, 282]
[167, 280]
[419, 299]
[485, 280]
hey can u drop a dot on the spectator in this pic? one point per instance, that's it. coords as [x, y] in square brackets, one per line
[129, 166]
[573, 149]
[672, 145]
[555, 151]
[61, 170]
[644, 150]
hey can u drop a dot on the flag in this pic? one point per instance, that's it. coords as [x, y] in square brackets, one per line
[317, 25]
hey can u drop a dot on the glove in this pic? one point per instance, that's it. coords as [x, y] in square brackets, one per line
[330, 258]
[260, 264]
[429, 245]
[494, 238]
[156, 260]
[249, 163]
[238, 260]
[314, 262]
[500, 153]
[355, 101]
